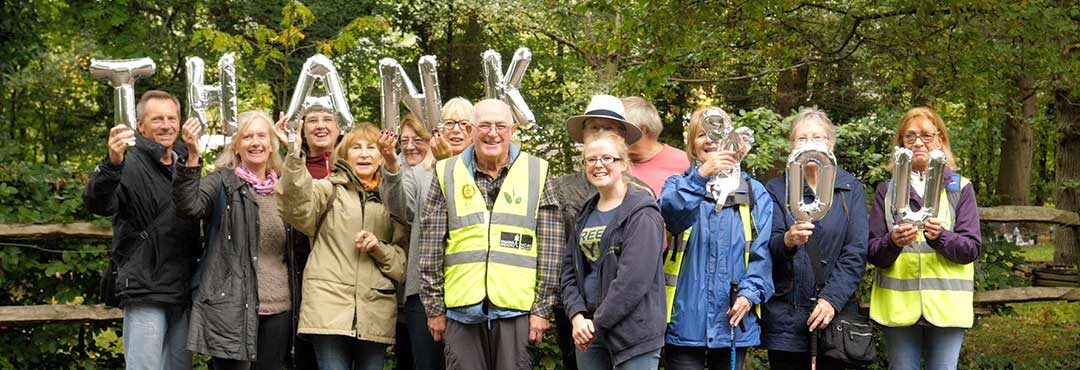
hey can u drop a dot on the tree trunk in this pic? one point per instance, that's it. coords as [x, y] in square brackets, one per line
[1014, 171]
[791, 89]
[465, 61]
[1067, 169]
[919, 96]
[448, 64]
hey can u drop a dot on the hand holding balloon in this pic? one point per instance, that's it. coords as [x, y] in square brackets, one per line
[119, 136]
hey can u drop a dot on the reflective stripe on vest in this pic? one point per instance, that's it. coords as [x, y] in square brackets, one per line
[673, 263]
[923, 283]
[491, 254]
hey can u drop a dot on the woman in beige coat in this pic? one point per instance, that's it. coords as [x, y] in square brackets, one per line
[348, 308]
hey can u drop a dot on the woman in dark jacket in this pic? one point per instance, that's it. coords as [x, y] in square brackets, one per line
[240, 314]
[798, 306]
[612, 277]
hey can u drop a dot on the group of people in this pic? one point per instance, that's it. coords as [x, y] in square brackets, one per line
[459, 248]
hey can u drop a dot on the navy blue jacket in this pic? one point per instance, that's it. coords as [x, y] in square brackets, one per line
[842, 237]
[630, 317]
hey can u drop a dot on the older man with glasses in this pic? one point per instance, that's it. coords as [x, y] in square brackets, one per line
[490, 247]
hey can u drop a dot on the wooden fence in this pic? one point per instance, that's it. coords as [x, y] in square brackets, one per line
[41, 314]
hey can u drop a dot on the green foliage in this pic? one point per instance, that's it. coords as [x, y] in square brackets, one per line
[997, 262]
[1039, 335]
[771, 142]
[51, 272]
[865, 63]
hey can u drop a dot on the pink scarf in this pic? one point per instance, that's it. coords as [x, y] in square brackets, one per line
[262, 187]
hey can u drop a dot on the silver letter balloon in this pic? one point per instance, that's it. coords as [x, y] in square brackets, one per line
[507, 87]
[398, 88]
[122, 74]
[317, 67]
[202, 96]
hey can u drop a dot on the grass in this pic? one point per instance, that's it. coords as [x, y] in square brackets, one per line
[1038, 252]
[1036, 335]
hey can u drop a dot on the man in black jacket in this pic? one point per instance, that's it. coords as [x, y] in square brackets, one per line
[154, 249]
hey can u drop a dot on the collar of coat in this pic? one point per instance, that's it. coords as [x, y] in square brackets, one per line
[344, 175]
[468, 156]
[153, 150]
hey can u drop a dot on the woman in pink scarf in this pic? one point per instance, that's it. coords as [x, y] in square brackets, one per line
[243, 298]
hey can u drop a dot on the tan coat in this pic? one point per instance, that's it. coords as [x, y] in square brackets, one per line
[345, 292]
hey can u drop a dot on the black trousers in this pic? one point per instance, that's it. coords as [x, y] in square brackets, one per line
[699, 358]
[783, 360]
[273, 344]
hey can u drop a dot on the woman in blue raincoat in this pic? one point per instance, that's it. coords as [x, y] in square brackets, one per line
[716, 262]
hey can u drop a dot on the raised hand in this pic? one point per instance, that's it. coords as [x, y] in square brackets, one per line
[119, 136]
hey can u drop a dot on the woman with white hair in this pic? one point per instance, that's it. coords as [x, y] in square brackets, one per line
[801, 304]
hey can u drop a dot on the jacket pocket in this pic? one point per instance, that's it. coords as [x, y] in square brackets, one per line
[134, 276]
[633, 329]
[222, 324]
[382, 306]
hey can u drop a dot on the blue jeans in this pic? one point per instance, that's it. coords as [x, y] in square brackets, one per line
[338, 352]
[908, 345]
[155, 337]
[598, 357]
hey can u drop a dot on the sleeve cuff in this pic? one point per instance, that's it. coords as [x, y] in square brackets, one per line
[108, 166]
[939, 242]
[434, 311]
[380, 254]
[697, 179]
[185, 170]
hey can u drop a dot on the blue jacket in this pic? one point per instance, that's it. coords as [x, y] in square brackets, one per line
[841, 235]
[714, 258]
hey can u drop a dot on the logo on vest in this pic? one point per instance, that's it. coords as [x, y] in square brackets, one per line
[512, 197]
[468, 191]
[515, 241]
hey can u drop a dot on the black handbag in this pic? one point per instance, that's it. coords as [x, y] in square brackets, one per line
[849, 338]
[107, 285]
[110, 295]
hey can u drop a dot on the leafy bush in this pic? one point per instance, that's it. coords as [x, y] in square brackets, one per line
[51, 272]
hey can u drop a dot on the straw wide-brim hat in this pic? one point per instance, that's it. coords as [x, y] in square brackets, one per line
[602, 106]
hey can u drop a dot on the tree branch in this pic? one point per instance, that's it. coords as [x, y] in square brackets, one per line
[743, 77]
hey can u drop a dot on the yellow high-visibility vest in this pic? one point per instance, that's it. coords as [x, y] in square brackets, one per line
[922, 282]
[492, 253]
[673, 263]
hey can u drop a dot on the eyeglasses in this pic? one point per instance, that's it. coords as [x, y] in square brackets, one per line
[328, 121]
[462, 124]
[415, 140]
[501, 128]
[813, 139]
[927, 138]
[604, 160]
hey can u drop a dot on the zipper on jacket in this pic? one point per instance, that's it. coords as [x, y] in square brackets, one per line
[487, 261]
[363, 217]
[253, 260]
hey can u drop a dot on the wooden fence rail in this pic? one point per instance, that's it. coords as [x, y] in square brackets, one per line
[86, 230]
[41, 314]
[55, 314]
